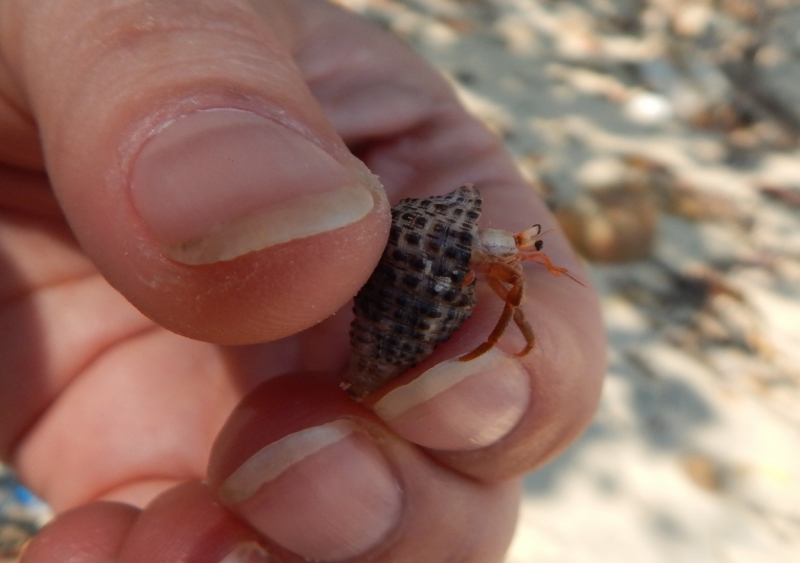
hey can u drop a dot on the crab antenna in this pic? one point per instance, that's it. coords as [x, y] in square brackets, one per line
[555, 270]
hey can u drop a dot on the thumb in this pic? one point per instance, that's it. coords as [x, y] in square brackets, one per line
[193, 164]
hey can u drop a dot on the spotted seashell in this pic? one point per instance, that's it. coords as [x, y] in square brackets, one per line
[416, 297]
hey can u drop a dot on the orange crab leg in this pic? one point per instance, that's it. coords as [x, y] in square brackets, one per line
[498, 274]
[519, 318]
[544, 260]
[527, 332]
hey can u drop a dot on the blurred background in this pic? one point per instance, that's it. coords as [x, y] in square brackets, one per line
[664, 135]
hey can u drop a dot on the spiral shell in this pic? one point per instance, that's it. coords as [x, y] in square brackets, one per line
[416, 297]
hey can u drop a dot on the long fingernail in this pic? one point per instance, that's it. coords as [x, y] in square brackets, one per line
[216, 184]
[459, 405]
[325, 493]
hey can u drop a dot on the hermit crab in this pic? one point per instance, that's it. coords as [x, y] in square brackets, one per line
[424, 286]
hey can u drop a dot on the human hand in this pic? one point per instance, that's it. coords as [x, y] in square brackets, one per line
[239, 226]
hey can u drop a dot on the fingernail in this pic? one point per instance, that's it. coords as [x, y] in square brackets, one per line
[217, 184]
[459, 405]
[325, 493]
[249, 552]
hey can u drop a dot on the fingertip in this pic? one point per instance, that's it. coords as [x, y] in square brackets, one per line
[187, 524]
[318, 475]
[457, 405]
[92, 533]
[201, 176]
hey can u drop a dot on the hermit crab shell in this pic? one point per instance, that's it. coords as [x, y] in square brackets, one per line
[416, 297]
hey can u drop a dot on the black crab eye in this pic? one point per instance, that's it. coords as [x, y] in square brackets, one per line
[538, 244]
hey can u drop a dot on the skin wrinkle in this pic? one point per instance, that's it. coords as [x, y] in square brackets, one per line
[40, 206]
[30, 185]
[25, 239]
[182, 462]
[319, 64]
[16, 122]
[11, 32]
[27, 277]
[100, 66]
[116, 489]
[98, 354]
[123, 26]
[14, 298]
[63, 380]
[466, 138]
[415, 125]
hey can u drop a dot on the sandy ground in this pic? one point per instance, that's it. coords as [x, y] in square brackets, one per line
[665, 136]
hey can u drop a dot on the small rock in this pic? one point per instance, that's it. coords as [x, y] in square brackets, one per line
[692, 19]
[703, 472]
[613, 225]
[648, 108]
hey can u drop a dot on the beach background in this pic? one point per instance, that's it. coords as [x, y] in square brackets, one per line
[664, 135]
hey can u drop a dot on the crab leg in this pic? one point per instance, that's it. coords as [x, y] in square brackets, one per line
[519, 318]
[526, 330]
[498, 274]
